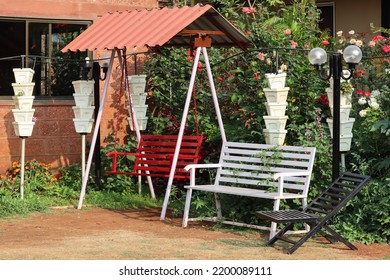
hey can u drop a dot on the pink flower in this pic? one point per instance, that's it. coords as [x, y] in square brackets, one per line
[325, 43]
[200, 67]
[287, 32]
[307, 46]
[293, 44]
[371, 43]
[248, 33]
[379, 38]
[261, 56]
[220, 79]
[360, 73]
[256, 76]
[360, 92]
[386, 48]
[248, 10]
[367, 93]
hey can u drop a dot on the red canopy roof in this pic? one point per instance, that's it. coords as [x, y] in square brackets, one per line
[158, 27]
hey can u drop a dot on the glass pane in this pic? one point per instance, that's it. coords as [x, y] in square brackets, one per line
[65, 67]
[11, 48]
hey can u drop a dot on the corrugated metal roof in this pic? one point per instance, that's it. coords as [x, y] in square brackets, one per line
[157, 27]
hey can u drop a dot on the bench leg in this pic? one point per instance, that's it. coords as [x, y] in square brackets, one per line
[272, 231]
[218, 206]
[187, 208]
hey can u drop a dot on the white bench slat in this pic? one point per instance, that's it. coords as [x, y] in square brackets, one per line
[245, 192]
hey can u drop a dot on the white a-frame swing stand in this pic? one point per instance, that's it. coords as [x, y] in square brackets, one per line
[201, 45]
[97, 124]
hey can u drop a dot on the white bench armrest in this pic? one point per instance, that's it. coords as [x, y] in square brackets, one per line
[192, 168]
[276, 176]
[202, 165]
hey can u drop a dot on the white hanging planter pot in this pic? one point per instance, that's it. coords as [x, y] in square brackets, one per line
[23, 129]
[276, 109]
[276, 81]
[275, 123]
[137, 84]
[84, 87]
[345, 143]
[278, 95]
[274, 137]
[345, 127]
[345, 110]
[345, 99]
[83, 112]
[23, 115]
[23, 102]
[25, 89]
[83, 125]
[138, 99]
[83, 100]
[23, 75]
[142, 123]
[140, 110]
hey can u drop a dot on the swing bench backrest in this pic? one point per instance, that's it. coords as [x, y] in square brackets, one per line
[155, 153]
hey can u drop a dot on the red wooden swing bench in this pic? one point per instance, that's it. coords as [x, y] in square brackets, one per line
[155, 154]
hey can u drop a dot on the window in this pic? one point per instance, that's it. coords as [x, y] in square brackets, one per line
[37, 44]
[327, 22]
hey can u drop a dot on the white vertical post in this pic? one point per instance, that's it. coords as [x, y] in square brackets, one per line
[214, 94]
[23, 152]
[82, 155]
[95, 132]
[181, 132]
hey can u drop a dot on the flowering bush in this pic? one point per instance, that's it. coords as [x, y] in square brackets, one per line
[371, 100]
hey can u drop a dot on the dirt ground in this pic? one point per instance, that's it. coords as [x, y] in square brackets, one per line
[101, 234]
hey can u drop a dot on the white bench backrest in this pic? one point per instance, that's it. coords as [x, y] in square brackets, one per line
[253, 165]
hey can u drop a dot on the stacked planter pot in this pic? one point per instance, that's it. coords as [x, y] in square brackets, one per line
[138, 95]
[275, 122]
[83, 111]
[346, 123]
[23, 99]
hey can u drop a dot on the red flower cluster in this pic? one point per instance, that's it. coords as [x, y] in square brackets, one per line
[362, 92]
[360, 73]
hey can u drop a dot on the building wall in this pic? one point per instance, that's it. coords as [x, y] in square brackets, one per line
[357, 15]
[54, 140]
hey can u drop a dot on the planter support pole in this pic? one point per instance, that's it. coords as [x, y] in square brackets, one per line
[22, 163]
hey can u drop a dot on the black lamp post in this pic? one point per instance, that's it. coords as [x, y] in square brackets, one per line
[318, 57]
[97, 67]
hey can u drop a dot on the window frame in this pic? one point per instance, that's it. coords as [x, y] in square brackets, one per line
[27, 22]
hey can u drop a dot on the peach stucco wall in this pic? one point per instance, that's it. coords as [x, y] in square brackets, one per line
[357, 15]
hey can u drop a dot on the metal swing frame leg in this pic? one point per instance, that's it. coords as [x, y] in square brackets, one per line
[199, 49]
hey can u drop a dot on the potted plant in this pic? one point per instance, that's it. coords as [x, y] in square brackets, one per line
[276, 81]
[276, 95]
[137, 84]
[23, 129]
[23, 75]
[84, 87]
[23, 89]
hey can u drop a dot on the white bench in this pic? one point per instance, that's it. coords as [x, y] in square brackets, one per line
[256, 170]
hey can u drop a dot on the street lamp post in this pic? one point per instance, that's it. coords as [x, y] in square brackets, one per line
[318, 57]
